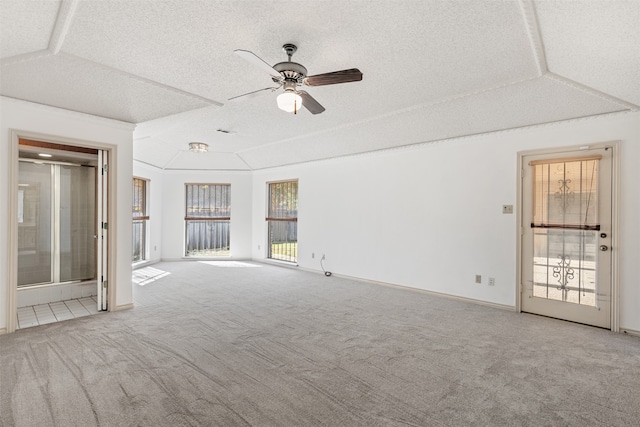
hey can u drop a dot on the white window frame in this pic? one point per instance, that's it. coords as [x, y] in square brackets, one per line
[143, 217]
[218, 223]
[284, 221]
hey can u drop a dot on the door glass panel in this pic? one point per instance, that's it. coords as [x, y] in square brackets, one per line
[77, 223]
[564, 265]
[34, 223]
[565, 194]
[565, 231]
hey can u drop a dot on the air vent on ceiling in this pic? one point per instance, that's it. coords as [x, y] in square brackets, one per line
[228, 132]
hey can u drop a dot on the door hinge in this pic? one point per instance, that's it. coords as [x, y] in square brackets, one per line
[105, 284]
[105, 169]
[105, 226]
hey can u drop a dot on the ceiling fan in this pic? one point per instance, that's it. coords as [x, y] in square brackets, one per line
[291, 75]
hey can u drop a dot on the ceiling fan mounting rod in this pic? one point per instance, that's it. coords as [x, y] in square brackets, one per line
[289, 49]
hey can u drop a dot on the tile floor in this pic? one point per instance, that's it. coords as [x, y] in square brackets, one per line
[63, 310]
[55, 312]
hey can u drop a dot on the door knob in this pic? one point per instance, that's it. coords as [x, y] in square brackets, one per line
[603, 248]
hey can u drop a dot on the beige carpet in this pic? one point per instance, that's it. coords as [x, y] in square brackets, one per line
[217, 346]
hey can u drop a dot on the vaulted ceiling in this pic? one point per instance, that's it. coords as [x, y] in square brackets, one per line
[433, 70]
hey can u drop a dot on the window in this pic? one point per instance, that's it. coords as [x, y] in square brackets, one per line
[282, 220]
[140, 218]
[207, 219]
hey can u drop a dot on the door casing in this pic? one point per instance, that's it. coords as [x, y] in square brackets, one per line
[12, 249]
[615, 198]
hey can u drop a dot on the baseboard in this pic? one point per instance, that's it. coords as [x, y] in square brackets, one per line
[3, 331]
[408, 288]
[628, 331]
[285, 264]
[226, 258]
[437, 294]
[143, 264]
[123, 307]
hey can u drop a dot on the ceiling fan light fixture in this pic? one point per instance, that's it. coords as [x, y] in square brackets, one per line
[198, 147]
[289, 101]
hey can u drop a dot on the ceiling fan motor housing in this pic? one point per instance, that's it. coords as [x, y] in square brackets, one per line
[290, 71]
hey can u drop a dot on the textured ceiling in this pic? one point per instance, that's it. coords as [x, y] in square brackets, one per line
[433, 70]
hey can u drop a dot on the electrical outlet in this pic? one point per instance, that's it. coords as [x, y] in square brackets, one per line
[492, 281]
[507, 209]
[478, 278]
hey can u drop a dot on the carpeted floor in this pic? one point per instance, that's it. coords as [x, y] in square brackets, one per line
[268, 346]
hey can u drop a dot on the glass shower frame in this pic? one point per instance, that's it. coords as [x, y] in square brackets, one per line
[56, 223]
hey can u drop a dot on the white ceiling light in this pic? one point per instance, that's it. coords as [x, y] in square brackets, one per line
[289, 101]
[45, 155]
[198, 147]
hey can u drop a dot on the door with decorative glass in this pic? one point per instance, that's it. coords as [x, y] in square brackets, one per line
[566, 236]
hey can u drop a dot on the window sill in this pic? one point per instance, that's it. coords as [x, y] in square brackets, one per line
[208, 258]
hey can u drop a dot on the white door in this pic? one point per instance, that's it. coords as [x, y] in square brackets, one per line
[102, 227]
[566, 219]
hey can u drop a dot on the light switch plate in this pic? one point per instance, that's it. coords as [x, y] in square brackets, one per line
[507, 209]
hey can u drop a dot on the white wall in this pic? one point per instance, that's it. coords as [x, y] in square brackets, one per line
[25, 116]
[155, 191]
[430, 216]
[174, 210]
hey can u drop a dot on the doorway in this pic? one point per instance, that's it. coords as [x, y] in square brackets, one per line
[567, 234]
[61, 242]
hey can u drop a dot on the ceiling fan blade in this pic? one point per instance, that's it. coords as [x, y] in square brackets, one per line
[255, 60]
[342, 76]
[310, 103]
[253, 94]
